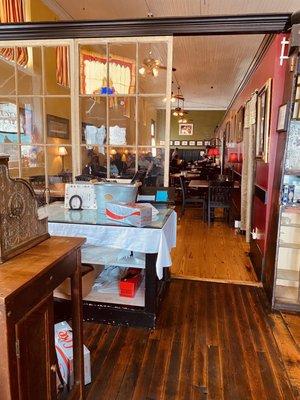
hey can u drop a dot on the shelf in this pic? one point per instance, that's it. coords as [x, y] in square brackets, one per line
[289, 245]
[111, 297]
[288, 274]
[295, 172]
[97, 255]
[287, 295]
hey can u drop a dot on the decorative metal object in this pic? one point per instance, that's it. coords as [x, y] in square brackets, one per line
[20, 228]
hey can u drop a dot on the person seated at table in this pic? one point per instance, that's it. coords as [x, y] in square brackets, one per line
[175, 165]
[94, 168]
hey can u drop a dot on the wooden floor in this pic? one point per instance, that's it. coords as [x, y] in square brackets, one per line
[215, 253]
[213, 341]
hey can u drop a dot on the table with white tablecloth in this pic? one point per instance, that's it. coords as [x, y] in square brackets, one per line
[155, 241]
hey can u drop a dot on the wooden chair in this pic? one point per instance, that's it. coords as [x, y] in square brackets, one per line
[219, 196]
[188, 197]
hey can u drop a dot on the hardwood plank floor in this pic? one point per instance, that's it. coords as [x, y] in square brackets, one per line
[213, 341]
[215, 253]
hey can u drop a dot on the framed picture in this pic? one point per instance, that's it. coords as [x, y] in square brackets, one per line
[171, 142]
[282, 119]
[184, 143]
[240, 124]
[263, 122]
[176, 142]
[228, 132]
[206, 142]
[57, 127]
[192, 143]
[199, 142]
[186, 129]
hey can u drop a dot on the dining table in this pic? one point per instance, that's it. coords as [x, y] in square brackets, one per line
[202, 183]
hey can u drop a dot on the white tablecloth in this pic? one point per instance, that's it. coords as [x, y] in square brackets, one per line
[144, 240]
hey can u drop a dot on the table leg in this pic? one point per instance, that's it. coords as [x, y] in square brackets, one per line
[76, 296]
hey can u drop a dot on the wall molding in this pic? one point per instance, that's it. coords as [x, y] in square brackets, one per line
[202, 25]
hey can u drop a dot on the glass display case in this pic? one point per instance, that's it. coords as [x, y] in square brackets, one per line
[286, 295]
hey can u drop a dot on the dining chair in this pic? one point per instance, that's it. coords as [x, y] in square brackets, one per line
[219, 196]
[190, 197]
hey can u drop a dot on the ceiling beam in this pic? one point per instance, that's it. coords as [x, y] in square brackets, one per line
[202, 25]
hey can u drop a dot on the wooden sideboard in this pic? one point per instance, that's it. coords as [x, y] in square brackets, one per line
[28, 360]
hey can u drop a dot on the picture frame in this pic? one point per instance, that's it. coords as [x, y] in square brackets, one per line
[176, 142]
[206, 142]
[282, 119]
[171, 142]
[184, 143]
[192, 143]
[228, 132]
[199, 143]
[186, 129]
[240, 124]
[263, 122]
[58, 127]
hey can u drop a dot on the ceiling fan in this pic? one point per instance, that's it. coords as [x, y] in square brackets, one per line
[151, 66]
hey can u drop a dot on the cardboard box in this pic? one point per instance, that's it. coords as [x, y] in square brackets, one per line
[130, 283]
[64, 350]
[132, 213]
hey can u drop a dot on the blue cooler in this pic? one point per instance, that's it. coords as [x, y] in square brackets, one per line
[119, 192]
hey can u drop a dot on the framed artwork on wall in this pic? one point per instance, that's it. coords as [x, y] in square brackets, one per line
[192, 143]
[176, 142]
[227, 132]
[282, 120]
[263, 122]
[240, 124]
[199, 142]
[57, 127]
[186, 129]
[171, 142]
[184, 143]
[206, 142]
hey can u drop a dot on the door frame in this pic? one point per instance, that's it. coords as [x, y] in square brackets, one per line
[267, 23]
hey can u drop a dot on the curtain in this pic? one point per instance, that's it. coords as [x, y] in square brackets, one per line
[62, 66]
[12, 11]
[248, 165]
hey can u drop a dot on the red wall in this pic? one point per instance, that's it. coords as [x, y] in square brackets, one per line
[268, 68]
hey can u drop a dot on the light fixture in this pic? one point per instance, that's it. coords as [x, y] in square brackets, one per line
[113, 152]
[123, 157]
[182, 121]
[62, 151]
[175, 113]
[155, 72]
[142, 71]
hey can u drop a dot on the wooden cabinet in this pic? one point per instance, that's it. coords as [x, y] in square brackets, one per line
[27, 281]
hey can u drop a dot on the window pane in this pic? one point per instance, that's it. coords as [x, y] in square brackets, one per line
[122, 68]
[59, 160]
[122, 123]
[56, 70]
[151, 160]
[33, 166]
[58, 113]
[152, 62]
[31, 120]
[8, 121]
[93, 120]
[151, 121]
[7, 72]
[94, 162]
[13, 152]
[122, 162]
[30, 76]
[93, 69]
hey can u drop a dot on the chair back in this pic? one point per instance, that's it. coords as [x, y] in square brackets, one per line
[219, 193]
[182, 181]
